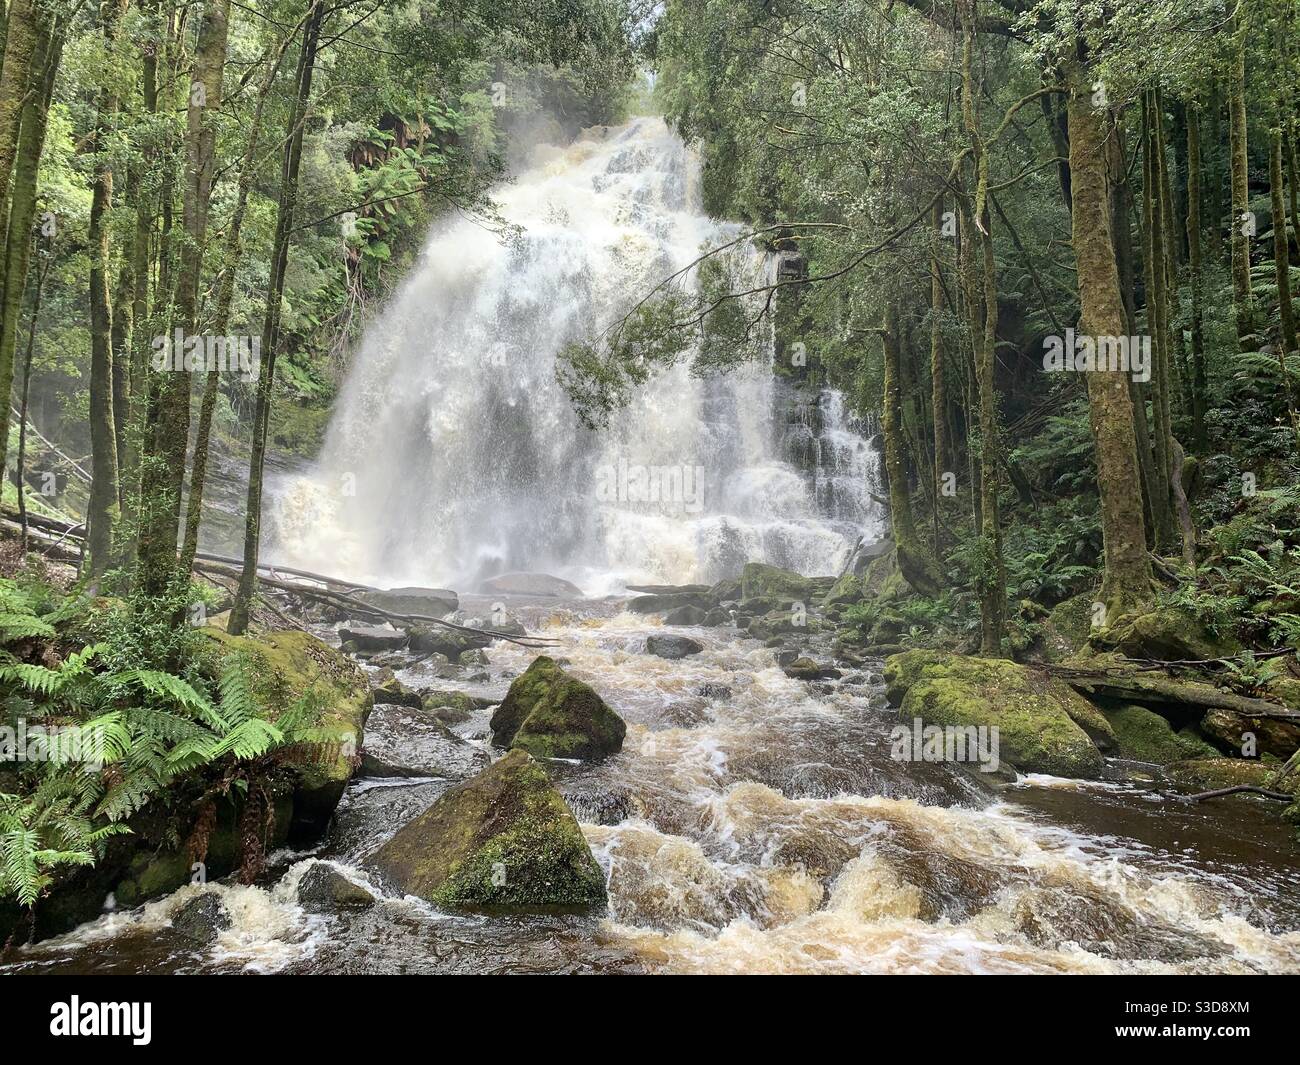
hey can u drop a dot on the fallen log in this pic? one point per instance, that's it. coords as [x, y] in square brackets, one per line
[1146, 688]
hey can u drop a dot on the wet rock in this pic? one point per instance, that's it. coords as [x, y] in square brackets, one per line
[671, 589]
[685, 615]
[422, 602]
[1145, 736]
[1210, 774]
[715, 618]
[474, 657]
[1030, 709]
[672, 647]
[846, 590]
[372, 638]
[323, 889]
[405, 742]
[542, 585]
[201, 919]
[451, 643]
[714, 691]
[726, 591]
[389, 690]
[759, 579]
[504, 840]
[551, 714]
[686, 713]
[663, 604]
[808, 669]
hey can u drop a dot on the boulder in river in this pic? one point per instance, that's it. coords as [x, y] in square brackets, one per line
[421, 602]
[672, 647]
[438, 639]
[406, 742]
[759, 580]
[686, 615]
[389, 690]
[1032, 711]
[551, 714]
[201, 919]
[372, 638]
[323, 889]
[1145, 736]
[504, 840]
[542, 585]
[663, 604]
[804, 668]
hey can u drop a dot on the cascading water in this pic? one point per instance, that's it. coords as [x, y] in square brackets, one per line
[455, 455]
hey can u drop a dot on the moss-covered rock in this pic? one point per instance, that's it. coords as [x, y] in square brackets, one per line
[553, 715]
[846, 590]
[1066, 629]
[289, 666]
[1168, 635]
[504, 840]
[1145, 736]
[758, 580]
[1033, 712]
[1247, 735]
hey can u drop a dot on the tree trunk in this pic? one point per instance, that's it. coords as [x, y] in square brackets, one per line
[1198, 383]
[914, 561]
[1126, 581]
[238, 622]
[1242, 225]
[165, 473]
[938, 372]
[15, 80]
[225, 296]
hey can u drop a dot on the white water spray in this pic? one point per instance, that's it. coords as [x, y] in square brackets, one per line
[454, 455]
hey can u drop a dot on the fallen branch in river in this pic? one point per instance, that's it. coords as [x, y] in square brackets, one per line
[1241, 789]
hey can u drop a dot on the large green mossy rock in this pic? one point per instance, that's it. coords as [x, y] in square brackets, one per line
[504, 840]
[1037, 716]
[553, 715]
[759, 580]
[1066, 629]
[287, 666]
[1145, 736]
[1167, 635]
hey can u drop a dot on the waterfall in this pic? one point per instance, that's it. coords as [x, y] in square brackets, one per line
[454, 455]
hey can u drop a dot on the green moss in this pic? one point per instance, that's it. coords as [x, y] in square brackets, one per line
[1208, 774]
[1033, 713]
[1066, 629]
[553, 715]
[758, 580]
[1145, 736]
[288, 666]
[503, 840]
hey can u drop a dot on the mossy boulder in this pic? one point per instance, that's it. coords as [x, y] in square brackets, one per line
[504, 840]
[1245, 734]
[431, 640]
[1033, 712]
[1168, 635]
[759, 580]
[1066, 628]
[551, 714]
[291, 665]
[846, 590]
[1145, 736]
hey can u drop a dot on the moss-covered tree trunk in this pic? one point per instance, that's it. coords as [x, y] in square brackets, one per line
[165, 473]
[914, 561]
[1194, 268]
[239, 612]
[225, 297]
[938, 372]
[1126, 580]
[46, 52]
[1242, 227]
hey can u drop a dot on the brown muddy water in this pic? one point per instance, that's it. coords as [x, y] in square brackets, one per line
[768, 830]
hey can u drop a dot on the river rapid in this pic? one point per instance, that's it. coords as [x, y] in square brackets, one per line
[765, 827]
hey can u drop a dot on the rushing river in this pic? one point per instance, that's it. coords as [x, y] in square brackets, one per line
[766, 828]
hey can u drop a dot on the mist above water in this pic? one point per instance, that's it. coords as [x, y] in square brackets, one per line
[454, 455]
